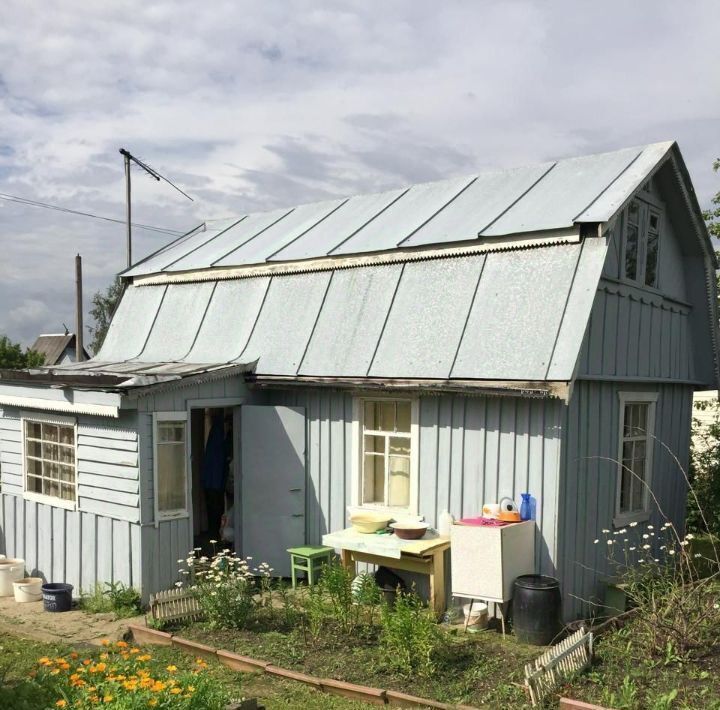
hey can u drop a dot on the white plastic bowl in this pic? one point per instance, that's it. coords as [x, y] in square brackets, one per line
[10, 571]
[28, 589]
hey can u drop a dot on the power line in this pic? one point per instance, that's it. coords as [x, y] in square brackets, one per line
[47, 206]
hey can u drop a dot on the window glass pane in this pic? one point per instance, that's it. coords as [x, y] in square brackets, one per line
[67, 435]
[373, 479]
[50, 432]
[641, 419]
[634, 213]
[399, 445]
[631, 252]
[34, 484]
[33, 429]
[387, 416]
[370, 416]
[403, 416]
[651, 259]
[51, 488]
[374, 444]
[171, 477]
[50, 452]
[33, 467]
[33, 448]
[171, 432]
[67, 492]
[67, 474]
[399, 484]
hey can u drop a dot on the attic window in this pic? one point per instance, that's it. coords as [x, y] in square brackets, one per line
[642, 243]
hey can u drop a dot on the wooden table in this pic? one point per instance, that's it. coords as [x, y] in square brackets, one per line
[425, 556]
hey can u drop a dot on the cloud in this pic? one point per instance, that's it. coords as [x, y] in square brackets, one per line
[254, 105]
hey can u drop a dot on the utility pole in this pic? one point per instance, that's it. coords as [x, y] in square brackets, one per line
[128, 158]
[79, 350]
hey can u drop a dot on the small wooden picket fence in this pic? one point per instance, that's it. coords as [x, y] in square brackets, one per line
[556, 665]
[175, 605]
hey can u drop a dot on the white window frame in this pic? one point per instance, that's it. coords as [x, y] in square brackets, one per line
[649, 398]
[357, 454]
[180, 512]
[43, 418]
[646, 207]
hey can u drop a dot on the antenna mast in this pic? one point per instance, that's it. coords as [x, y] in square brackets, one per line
[129, 157]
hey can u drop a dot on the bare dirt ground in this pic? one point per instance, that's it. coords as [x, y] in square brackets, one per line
[30, 621]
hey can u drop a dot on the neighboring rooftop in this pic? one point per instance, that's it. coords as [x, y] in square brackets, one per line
[57, 348]
[540, 199]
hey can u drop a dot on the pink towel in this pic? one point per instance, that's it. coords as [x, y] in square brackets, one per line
[488, 522]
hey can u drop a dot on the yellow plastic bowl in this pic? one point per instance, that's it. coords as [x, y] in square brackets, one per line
[369, 522]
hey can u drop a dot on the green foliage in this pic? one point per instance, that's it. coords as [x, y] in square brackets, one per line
[116, 598]
[712, 217]
[624, 697]
[12, 356]
[103, 307]
[410, 636]
[705, 473]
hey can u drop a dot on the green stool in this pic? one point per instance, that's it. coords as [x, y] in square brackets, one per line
[309, 559]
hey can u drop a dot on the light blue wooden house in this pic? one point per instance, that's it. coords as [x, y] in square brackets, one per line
[539, 329]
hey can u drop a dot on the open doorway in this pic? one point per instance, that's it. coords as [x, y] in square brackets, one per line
[211, 454]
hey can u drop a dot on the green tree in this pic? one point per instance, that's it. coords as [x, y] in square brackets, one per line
[712, 220]
[12, 356]
[103, 307]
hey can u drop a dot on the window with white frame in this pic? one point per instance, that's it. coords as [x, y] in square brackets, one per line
[637, 422]
[642, 243]
[386, 453]
[170, 464]
[49, 459]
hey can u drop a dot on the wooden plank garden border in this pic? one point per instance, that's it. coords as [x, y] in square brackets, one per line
[245, 664]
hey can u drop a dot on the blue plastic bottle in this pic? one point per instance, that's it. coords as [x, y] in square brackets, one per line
[525, 509]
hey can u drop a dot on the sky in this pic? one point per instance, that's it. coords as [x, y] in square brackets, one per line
[256, 105]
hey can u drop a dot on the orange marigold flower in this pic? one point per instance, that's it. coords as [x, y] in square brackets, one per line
[171, 669]
[134, 650]
[105, 642]
[61, 703]
[121, 644]
[107, 698]
[152, 702]
[44, 660]
[144, 657]
[104, 656]
[87, 662]
[176, 691]
[73, 655]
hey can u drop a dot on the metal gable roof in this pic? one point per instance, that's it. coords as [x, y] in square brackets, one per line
[551, 196]
[512, 315]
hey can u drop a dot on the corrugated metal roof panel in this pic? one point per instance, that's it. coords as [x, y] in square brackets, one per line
[228, 240]
[482, 203]
[403, 217]
[282, 331]
[350, 322]
[299, 221]
[427, 318]
[605, 206]
[563, 193]
[577, 311]
[337, 227]
[131, 323]
[518, 309]
[177, 322]
[182, 246]
[229, 320]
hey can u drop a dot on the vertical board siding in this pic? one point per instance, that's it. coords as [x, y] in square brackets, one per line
[76, 547]
[589, 480]
[471, 450]
[635, 333]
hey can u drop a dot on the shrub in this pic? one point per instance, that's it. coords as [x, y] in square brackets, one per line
[677, 610]
[115, 598]
[123, 677]
[410, 636]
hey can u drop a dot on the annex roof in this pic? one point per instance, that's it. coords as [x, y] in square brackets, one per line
[510, 315]
[538, 199]
[52, 345]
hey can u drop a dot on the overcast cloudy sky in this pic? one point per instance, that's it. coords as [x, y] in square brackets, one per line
[254, 105]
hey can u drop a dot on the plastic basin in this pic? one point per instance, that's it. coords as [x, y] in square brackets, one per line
[10, 571]
[57, 596]
[28, 589]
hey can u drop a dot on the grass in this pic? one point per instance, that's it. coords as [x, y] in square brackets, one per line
[624, 678]
[19, 656]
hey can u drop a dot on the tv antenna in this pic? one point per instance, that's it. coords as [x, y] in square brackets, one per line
[130, 158]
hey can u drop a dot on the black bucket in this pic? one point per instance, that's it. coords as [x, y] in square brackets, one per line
[57, 596]
[536, 609]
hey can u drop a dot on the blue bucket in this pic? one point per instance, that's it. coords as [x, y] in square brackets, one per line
[57, 596]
